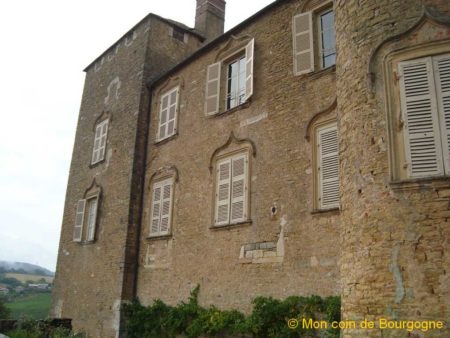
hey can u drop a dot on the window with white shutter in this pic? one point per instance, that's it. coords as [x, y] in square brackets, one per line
[302, 33]
[231, 190]
[168, 114]
[328, 166]
[425, 104]
[161, 210]
[238, 73]
[101, 133]
[86, 220]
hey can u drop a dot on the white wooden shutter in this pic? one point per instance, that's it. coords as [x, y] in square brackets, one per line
[238, 189]
[166, 202]
[212, 89]
[101, 132]
[79, 218]
[302, 33]
[328, 167]
[156, 210]
[249, 58]
[222, 214]
[92, 219]
[168, 114]
[441, 66]
[418, 102]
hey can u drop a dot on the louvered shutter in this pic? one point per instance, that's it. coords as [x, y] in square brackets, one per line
[222, 215]
[96, 149]
[418, 102]
[249, 57]
[163, 117]
[166, 203]
[442, 78]
[238, 189]
[303, 43]
[328, 167]
[212, 89]
[156, 210]
[79, 218]
[92, 218]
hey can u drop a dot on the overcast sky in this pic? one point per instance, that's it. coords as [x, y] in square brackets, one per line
[45, 45]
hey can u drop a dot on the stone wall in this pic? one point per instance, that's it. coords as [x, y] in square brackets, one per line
[395, 249]
[290, 252]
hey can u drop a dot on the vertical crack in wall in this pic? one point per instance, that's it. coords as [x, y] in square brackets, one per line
[395, 269]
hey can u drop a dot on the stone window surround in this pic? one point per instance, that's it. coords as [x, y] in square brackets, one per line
[95, 191]
[105, 115]
[399, 177]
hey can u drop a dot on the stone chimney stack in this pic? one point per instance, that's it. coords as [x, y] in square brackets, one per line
[210, 18]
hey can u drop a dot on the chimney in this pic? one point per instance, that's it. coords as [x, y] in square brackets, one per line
[210, 18]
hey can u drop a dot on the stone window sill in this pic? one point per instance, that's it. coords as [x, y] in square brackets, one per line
[244, 105]
[231, 226]
[321, 72]
[93, 165]
[326, 211]
[158, 237]
[436, 182]
[83, 243]
[165, 140]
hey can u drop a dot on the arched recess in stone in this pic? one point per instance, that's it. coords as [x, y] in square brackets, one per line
[318, 116]
[105, 115]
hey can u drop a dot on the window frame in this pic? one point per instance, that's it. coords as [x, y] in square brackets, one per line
[320, 51]
[231, 157]
[237, 59]
[102, 149]
[161, 183]
[168, 94]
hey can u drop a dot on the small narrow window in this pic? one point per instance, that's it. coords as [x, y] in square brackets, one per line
[232, 190]
[168, 114]
[178, 34]
[236, 82]
[327, 39]
[91, 218]
[101, 132]
[328, 166]
[161, 211]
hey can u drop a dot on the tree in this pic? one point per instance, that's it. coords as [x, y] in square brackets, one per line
[4, 311]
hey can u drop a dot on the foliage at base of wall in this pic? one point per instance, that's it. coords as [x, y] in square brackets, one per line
[269, 318]
[50, 328]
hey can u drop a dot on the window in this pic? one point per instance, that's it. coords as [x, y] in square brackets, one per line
[101, 132]
[327, 167]
[178, 34]
[236, 82]
[306, 56]
[239, 82]
[327, 39]
[425, 105]
[86, 219]
[161, 213]
[168, 114]
[231, 196]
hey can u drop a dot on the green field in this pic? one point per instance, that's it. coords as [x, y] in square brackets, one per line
[24, 277]
[35, 306]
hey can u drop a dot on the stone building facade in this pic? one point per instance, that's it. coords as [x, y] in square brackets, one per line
[303, 152]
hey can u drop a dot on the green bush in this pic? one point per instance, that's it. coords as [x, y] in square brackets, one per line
[4, 311]
[268, 319]
[41, 329]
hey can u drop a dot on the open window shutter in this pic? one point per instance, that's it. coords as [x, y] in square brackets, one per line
[328, 167]
[163, 116]
[222, 215]
[166, 207]
[442, 76]
[96, 149]
[418, 102]
[238, 189]
[302, 33]
[212, 89]
[79, 218]
[156, 210]
[173, 111]
[104, 134]
[92, 219]
[249, 57]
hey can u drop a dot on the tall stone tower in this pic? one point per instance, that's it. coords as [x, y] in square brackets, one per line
[97, 258]
[395, 233]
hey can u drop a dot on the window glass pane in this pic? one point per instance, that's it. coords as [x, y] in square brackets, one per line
[236, 82]
[329, 60]
[328, 39]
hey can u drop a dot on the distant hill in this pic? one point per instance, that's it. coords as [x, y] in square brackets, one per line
[27, 268]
